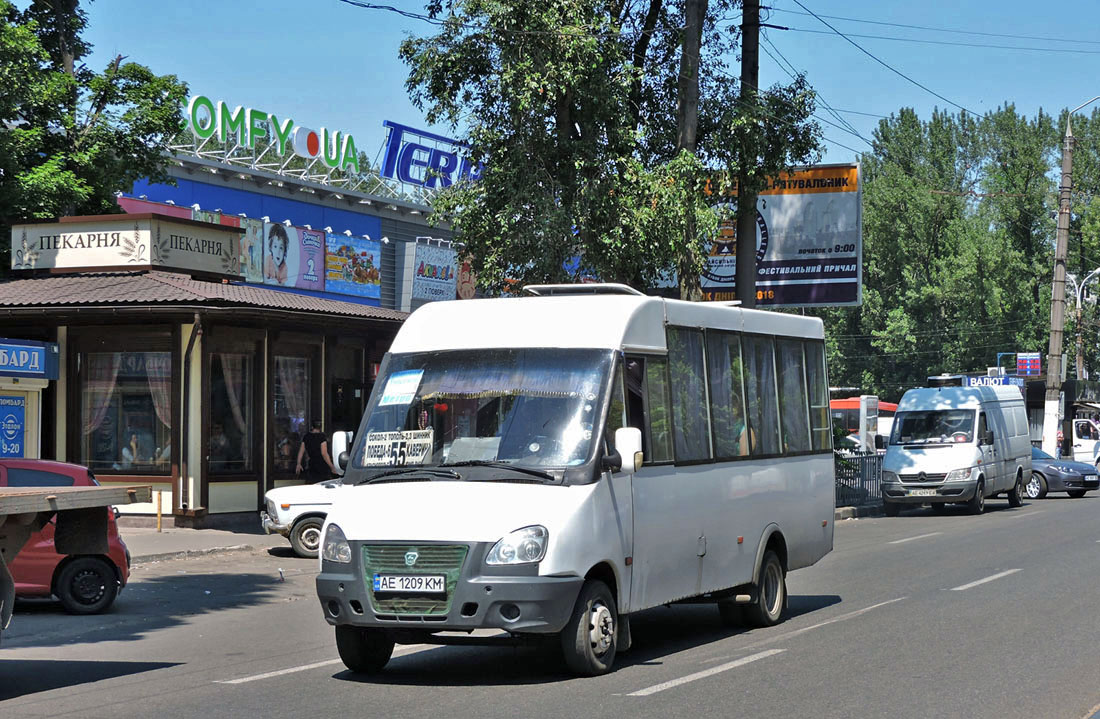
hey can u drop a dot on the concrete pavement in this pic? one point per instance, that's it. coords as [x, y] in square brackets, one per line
[146, 544]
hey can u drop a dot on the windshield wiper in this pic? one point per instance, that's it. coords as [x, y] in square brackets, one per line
[501, 465]
[445, 473]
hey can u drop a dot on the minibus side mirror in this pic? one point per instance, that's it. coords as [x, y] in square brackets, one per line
[988, 438]
[628, 443]
[880, 442]
[341, 442]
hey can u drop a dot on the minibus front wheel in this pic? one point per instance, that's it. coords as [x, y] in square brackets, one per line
[363, 650]
[590, 637]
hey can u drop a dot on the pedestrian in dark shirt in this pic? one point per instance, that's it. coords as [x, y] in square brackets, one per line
[315, 446]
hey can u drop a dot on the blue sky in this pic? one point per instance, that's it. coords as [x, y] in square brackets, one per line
[329, 64]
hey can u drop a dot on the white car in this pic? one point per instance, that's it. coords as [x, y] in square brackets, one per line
[298, 512]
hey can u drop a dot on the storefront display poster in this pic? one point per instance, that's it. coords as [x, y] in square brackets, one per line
[293, 257]
[434, 273]
[13, 414]
[352, 266]
[252, 250]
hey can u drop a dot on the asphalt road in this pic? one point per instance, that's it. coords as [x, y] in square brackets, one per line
[916, 616]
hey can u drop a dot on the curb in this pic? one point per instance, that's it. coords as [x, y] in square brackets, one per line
[873, 510]
[189, 554]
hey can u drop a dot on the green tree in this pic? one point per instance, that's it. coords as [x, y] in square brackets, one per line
[71, 137]
[571, 106]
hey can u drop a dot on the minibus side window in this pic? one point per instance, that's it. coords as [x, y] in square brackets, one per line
[818, 386]
[982, 427]
[690, 421]
[658, 410]
[794, 414]
[761, 398]
[727, 395]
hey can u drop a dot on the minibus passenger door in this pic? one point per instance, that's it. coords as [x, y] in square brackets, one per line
[991, 461]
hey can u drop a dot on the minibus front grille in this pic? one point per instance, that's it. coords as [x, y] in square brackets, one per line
[445, 559]
[922, 477]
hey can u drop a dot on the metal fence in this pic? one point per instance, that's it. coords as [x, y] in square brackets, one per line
[857, 479]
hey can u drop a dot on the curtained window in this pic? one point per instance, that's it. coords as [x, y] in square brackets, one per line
[230, 438]
[291, 403]
[126, 411]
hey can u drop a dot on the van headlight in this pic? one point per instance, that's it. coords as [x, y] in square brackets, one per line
[336, 547]
[958, 475]
[888, 476]
[523, 546]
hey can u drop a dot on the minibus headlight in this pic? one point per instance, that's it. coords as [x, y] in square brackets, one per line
[888, 476]
[523, 546]
[336, 547]
[958, 475]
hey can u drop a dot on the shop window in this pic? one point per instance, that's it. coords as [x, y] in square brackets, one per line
[230, 439]
[291, 405]
[126, 411]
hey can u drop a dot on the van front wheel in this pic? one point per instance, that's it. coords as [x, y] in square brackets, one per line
[363, 651]
[976, 505]
[589, 639]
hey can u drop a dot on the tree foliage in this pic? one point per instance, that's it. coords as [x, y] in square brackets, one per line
[71, 137]
[571, 105]
[958, 242]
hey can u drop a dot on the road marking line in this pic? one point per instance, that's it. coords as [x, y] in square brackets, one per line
[305, 667]
[834, 620]
[919, 536]
[705, 673]
[998, 575]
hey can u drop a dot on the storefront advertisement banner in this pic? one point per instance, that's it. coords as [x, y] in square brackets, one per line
[352, 266]
[808, 241]
[206, 216]
[13, 413]
[434, 273]
[294, 257]
[252, 250]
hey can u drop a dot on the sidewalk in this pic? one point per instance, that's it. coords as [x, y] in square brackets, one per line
[146, 544]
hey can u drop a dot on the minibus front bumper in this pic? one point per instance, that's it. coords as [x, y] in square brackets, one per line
[513, 598]
[927, 492]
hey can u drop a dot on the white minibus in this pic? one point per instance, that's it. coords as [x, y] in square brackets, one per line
[548, 465]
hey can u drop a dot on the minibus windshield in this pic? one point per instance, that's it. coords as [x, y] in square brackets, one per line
[459, 408]
[933, 427]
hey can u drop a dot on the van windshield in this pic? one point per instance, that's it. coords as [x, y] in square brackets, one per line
[933, 427]
[526, 407]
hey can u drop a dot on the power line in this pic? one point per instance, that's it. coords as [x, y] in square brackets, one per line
[580, 31]
[857, 112]
[942, 29]
[793, 73]
[882, 62]
[920, 41]
[984, 328]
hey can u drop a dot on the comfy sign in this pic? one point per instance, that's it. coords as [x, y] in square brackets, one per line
[250, 127]
[422, 158]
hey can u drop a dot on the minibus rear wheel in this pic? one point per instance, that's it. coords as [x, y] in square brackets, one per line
[364, 651]
[771, 593]
[589, 639]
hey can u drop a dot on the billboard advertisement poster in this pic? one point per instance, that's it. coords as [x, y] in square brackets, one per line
[808, 241]
[206, 216]
[434, 275]
[13, 414]
[252, 250]
[293, 257]
[352, 266]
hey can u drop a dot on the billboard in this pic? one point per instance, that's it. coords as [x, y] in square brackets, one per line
[353, 266]
[808, 240]
[293, 256]
[434, 272]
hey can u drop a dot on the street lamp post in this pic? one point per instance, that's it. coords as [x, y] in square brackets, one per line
[1058, 295]
[1079, 292]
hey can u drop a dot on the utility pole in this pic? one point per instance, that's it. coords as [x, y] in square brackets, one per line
[746, 198]
[1058, 300]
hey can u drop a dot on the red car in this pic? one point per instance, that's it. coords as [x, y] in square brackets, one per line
[85, 583]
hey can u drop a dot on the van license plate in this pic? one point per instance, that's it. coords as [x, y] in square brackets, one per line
[410, 583]
[922, 492]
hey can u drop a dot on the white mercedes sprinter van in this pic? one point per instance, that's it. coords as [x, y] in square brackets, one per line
[545, 466]
[957, 445]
